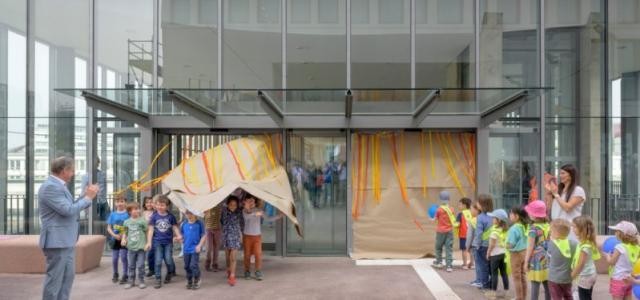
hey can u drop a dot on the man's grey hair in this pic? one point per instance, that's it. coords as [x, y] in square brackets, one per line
[61, 163]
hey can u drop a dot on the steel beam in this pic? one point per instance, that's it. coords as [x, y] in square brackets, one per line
[122, 111]
[271, 108]
[425, 108]
[193, 108]
[503, 107]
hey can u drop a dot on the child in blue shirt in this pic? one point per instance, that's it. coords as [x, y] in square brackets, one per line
[481, 241]
[192, 231]
[162, 227]
[115, 228]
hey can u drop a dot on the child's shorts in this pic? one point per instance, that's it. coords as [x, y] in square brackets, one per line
[463, 244]
[619, 288]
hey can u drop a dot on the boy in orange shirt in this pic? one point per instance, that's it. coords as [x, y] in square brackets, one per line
[446, 223]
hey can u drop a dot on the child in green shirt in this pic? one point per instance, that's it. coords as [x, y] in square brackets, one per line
[135, 239]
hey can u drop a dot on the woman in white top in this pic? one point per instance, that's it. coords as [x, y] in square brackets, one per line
[568, 196]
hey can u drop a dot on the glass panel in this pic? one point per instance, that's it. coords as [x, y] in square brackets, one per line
[60, 61]
[317, 169]
[451, 11]
[508, 43]
[624, 103]
[380, 50]
[445, 51]
[360, 11]
[124, 33]
[315, 102]
[316, 53]
[513, 162]
[252, 51]
[574, 128]
[189, 44]
[13, 89]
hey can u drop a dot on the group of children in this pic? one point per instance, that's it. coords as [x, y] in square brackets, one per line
[137, 236]
[526, 245]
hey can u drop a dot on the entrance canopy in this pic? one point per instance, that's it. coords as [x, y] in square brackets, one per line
[317, 108]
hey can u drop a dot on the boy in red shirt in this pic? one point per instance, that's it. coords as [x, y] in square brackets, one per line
[446, 222]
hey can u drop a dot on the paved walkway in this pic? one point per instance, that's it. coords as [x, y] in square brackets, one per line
[287, 278]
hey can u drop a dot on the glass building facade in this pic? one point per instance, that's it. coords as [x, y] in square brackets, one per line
[587, 53]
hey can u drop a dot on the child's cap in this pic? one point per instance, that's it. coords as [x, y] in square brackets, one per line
[500, 214]
[536, 209]
[444, 196]
[625, 227]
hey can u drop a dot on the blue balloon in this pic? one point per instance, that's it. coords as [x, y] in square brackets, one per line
[432, 211]
[636, 290]
[610, 244]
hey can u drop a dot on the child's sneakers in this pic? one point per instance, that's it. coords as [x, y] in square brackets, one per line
[189, 284]
[128, 285]
[114, 279]
[232, 280]
[196, 283]
[141, 285]
[247, 275]
[464, 267]
[150, 274]
[258, 275]
[437, 265]
[124, 279]
[158, 284]
[449, 269]
[167, 279]
[490, 294]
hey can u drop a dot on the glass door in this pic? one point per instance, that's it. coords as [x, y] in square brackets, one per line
[513, 163]
[316, 162]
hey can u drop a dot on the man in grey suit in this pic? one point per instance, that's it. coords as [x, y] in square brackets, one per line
[59, 231]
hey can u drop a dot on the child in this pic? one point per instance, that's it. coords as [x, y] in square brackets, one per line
[472, 245]
[517, 246]
[465, 219]
[622, 260]
[446, 222]
[583, 267]
[252, 238]
[148, 211]
[134, 238]
[561, 250]
[481, 239]
[537, 257]
[162, 227]
[232, 233]
[115, 229]
[496, 251]
[192, 231]
[214, 237]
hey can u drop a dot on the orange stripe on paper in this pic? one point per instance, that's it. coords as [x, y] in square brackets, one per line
[205, 162]
[235, 159]
[183, 171]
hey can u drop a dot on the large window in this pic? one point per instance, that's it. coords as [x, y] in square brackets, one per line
[13, 45]
[575, 131]
[624, 110]
[189, 44]
[124, 42]
[317, 52]
[380, 44]
[252, 45]
[509, 54]
[61, 54]
[444, 45]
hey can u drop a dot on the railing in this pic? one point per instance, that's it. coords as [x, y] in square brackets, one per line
[13, 213]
